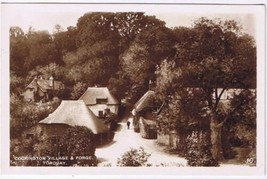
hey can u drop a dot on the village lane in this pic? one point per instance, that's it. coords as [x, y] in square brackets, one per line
[125, 139]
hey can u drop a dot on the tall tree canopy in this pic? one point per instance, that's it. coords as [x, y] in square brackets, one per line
[139, 62]
[19, 50]
[214, 56]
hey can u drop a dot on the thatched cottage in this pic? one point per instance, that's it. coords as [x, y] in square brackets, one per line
[99, 99]
[145, 115]
[70, 114]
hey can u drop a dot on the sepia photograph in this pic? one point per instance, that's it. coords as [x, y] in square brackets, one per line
[142, 85]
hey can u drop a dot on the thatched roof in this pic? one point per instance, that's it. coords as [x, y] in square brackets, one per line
[76, 113]
[145, 101]
[93, 93]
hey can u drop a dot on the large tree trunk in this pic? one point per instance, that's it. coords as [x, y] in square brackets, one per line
[216, 141]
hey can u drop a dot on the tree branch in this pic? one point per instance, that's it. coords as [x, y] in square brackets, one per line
[218, 98]
[232, 112]
[160, 109]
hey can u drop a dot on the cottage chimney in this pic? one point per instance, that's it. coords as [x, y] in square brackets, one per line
[35, 79]
[151, 85]
[51, 81]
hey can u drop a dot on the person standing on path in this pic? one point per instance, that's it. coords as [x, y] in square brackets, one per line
[128, 124]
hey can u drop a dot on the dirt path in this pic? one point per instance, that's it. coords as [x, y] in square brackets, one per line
[125, 139]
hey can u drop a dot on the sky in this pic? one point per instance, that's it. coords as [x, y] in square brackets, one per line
[45, 17]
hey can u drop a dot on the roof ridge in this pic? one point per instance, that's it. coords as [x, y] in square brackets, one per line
[92, 93]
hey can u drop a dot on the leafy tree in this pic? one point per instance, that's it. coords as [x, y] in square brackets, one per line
[222, 65]
[19, 50]
[137, 72]
[130, 24]
[52, 69]
[115, 85]
[182, 109]
[71, 58]
[139, 62]
[244, 119]
[166, 91]
[74, 74]
[34, 48]
[97, 47]
[78, 89]
[16, 83]
[217, 61]
[41, 49]
[15, 112]
[102, 40]
[65, 41]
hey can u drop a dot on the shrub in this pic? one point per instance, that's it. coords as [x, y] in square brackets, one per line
[198, 150]
[19, 148]
[134, 158]
[78, 89]
[78, 144]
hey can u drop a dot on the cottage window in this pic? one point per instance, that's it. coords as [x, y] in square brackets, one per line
[101, 100]
[100, 114]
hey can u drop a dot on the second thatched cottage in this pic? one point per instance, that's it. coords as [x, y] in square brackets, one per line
[145, 115]
[99, 99]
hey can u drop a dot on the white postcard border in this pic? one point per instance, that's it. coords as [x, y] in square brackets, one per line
[185, 171]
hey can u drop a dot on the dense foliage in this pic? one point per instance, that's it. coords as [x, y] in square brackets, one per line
[198, 150]
[78, 142]
[24, 115]
[94, 52]
[213, 58]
